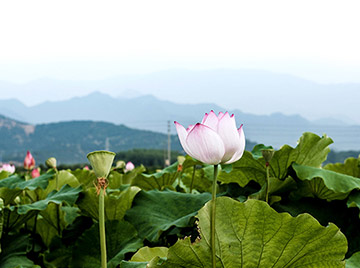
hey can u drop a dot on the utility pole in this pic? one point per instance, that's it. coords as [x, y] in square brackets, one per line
[169, 145]
[107, 144]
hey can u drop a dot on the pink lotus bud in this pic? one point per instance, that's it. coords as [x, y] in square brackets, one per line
[7, 167]
[86, 167]
[129, 166]
[29, 161]
[215, 141]
[35, 173]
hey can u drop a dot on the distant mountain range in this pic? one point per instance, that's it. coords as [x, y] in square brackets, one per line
[150, 113]
[251, 91]
[70, 141]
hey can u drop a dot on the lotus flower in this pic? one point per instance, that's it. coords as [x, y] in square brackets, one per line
[215, 141]
[35, 173]
[8, 167]
[129, 166]
[29, 161]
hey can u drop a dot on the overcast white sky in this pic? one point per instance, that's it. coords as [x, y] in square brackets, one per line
[315, 39]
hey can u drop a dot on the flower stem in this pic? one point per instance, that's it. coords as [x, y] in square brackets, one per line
[212, 218]
[57, 179]
[192, 179]
[267, 182]
[102, 228]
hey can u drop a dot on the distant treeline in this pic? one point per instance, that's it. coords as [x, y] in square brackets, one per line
[339, 157]
[155, 159]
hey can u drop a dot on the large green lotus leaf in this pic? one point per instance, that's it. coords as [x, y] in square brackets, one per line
[4, 174]
[12, 186]
[311, 150]
[159, 180]
[353, 261]
[276, 188]
[245, 170]
[350, 167]
[85, 177]
[64, 177]
[354, 200]
[17, 182]
[131, 264]
[325, 184]
[154, 212]
[54, 219]
[66, 194]
[202, 179]
[257, 150]
[116, 203]
[146, 254]
[153, 263]
[252, 234]
[14, 252]
[121, 238]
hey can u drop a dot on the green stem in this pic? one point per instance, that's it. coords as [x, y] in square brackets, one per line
[102, 228]
[58, 207]
[267, 182]
[192, 180]
[212, 218]
[34, 230]
[57, 179]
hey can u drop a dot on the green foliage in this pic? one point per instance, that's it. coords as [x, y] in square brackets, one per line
[350, 167]
[159, 180]
[66, 194]
[354, 261]
[251, 234]
[54, 225]
[116, 203]
[325, 184]
[121, 239]
[154, 212]
[14, 252]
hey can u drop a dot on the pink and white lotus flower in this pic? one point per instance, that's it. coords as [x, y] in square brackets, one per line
[8, 167]
[129, 166]
[216, 140]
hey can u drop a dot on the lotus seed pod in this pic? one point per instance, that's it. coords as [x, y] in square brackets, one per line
[181, 159]
[101, 162]
[268, 154]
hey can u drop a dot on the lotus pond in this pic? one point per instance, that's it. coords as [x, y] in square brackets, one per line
[291, 212]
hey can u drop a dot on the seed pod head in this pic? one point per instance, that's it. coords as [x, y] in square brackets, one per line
[101, 162]
[268, 154]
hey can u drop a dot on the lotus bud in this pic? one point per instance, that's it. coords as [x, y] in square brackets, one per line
[51, 162]
[120, 164]
[268, 154]
[101, 162]
[129, 166]
[29, 161]
[35, 173]
[86, 167]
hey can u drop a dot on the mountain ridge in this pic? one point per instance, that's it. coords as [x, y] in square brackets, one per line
[150, 113]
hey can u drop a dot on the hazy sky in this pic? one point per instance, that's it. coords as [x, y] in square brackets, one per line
[315, 39]
[92, 40]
